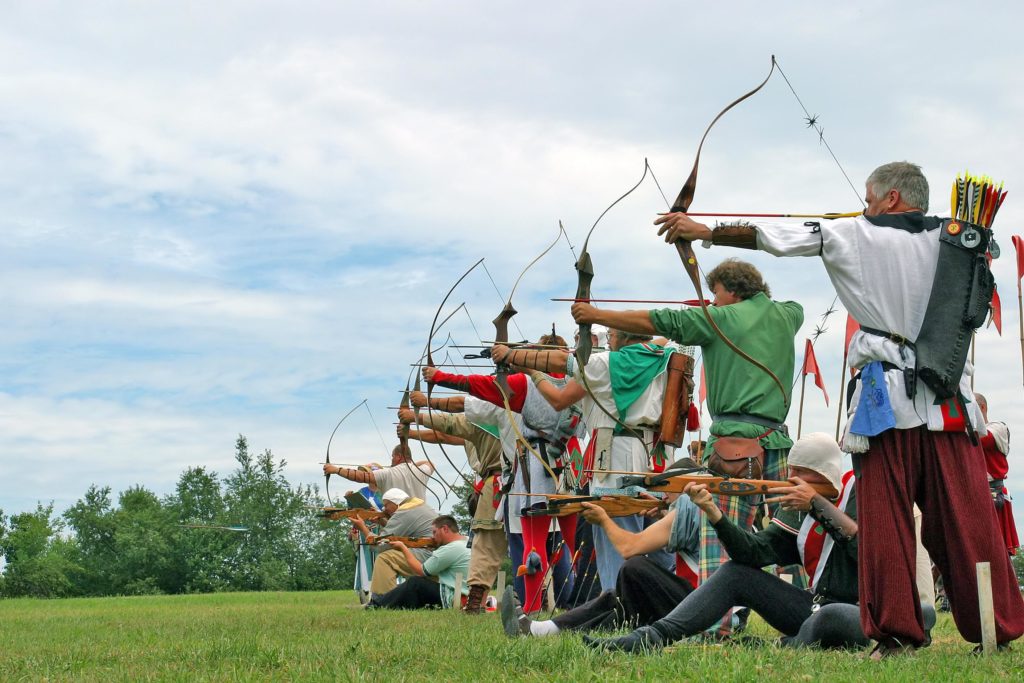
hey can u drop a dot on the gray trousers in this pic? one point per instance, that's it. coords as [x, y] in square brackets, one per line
[785, 607]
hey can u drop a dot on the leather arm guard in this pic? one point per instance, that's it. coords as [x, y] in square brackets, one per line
[836, 523]
[545, 361]
[739, 235]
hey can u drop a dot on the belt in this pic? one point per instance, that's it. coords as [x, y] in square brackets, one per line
[891, 336]
[634, 433]
[752, 419]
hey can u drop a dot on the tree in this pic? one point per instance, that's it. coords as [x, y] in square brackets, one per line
[39, 562]
[460, 510]
[92, 521]
[200, 549]
[287, 547]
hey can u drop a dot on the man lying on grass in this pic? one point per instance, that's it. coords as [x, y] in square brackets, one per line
[432, 583]
[811, 530]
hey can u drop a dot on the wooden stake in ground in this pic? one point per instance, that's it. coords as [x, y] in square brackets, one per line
[985, 608]
[457, 598]
[499, 589]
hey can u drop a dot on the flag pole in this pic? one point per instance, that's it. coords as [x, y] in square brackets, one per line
[842, 391]
[800, 418]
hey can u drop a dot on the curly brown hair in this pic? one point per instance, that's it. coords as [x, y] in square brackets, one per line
[552, 340]
[738, 277]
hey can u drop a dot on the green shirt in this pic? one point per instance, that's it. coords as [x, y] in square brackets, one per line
[763, 329]
[447, 561]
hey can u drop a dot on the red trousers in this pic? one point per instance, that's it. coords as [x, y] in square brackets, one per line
[535, 539]
[945, 475]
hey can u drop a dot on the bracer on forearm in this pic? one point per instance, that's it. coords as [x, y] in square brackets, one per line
[545, 361]
[836, 523]
[739, 235]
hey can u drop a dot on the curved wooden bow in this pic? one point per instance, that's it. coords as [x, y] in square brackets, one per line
[685, 248]
[584, 345]
[430, 361]
[501, 369]
[508, 312]
[327, 477]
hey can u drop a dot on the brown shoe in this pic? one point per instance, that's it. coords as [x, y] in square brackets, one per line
[475, 599]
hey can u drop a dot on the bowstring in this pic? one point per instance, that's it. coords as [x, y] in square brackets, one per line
[812, 122]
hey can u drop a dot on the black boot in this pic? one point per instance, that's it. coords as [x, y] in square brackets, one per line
[644, 639]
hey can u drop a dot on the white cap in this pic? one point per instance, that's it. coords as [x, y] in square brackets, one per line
[601, 332]
[819, 452]
[396, 496]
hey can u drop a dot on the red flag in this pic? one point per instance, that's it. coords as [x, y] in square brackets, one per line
[851, 327]
[1018, 244]
[997, 312]
[811, 367]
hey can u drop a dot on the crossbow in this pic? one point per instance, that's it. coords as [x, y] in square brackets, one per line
[365, 514]
[616, 506]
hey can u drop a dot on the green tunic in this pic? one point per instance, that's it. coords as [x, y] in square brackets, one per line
[763, 329]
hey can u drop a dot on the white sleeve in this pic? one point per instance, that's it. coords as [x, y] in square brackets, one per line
[1001, 434]
[426, 468]
[479, 411]
[787, 239]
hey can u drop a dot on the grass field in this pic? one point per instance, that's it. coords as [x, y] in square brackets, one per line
[326, 636]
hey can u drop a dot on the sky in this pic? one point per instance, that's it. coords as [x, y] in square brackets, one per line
[241, 217]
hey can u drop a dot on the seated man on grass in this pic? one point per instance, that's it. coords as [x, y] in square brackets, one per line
[432, 582]
[817, 532]
[409, 517]
[644, 590]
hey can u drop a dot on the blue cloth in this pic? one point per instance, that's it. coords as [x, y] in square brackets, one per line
[874, 411]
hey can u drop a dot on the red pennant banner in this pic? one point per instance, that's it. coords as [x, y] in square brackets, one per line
[811, 368]
[851, 327]
[997, 312]
[1018, 245]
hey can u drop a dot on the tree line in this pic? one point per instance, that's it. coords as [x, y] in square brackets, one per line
[250, 531]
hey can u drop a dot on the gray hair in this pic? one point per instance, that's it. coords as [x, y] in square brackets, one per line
[904, 177]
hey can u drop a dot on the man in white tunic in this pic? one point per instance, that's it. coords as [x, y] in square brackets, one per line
[908, 446]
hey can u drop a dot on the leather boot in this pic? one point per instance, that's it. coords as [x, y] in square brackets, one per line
[475, 599]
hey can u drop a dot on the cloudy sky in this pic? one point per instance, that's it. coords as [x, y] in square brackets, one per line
[240, 217]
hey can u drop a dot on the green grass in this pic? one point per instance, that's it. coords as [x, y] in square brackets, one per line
[326, 636]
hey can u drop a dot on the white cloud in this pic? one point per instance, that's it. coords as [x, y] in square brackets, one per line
[241, 217]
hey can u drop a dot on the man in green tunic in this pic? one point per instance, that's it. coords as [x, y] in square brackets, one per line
[744, 401]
